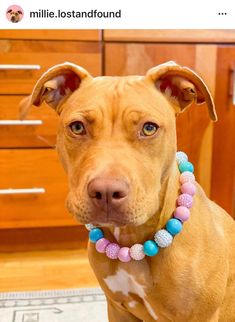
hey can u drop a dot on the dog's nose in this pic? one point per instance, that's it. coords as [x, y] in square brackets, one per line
[108, 192]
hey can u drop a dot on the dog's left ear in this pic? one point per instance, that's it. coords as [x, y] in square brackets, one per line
[181, 86]
[19, 12]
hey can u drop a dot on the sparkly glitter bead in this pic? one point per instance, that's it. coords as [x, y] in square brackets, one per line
[187, 177]
[181, 156]
[185, 200]
[124, 254]
[163, 238]
[137, 252]
[89, 226]
[182, 213]
[95, 234]
[150, 248]
[186, 166]
[189, 188]
[101, 245]
[112, 250]
[174, 226]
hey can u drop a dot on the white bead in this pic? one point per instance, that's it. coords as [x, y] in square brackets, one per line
[89, 226]
[137, 252]
[181, 156]
[163, 238]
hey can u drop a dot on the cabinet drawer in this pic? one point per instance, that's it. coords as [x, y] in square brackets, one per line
[175, 35]
[23, 62]
[39, 130]
[82, 35]
[43, 205]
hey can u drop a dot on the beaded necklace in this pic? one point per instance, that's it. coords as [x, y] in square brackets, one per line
[163, 237]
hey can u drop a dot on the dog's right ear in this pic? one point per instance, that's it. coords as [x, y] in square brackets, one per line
[9, 11]
[54, 87]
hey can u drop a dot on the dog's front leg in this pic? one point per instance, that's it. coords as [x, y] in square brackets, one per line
[118, 314]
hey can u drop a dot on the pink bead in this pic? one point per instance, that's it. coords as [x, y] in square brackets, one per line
[101, 245]
[137, 252]
[187, 176]
[189, 188]
[124, 254]
[182, 213]
[112, 250]
[185, 200]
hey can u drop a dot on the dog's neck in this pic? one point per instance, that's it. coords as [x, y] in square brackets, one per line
[129, 235]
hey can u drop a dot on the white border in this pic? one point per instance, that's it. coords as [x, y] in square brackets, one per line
[150, 14]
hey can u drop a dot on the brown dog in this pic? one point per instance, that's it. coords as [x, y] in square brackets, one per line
[14, 16]
[128, 183]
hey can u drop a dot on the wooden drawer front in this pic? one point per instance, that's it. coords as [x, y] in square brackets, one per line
[44, 54]
[30, 169]
[34, 134]
[194, 129]
[174, 35]
[91, 35]
[135, 59]
[223, 175]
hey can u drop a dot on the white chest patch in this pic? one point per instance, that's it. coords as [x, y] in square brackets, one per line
[125, 283]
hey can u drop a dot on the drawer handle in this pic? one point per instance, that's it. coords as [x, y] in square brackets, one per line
[22, 191]
[19, 67]
[18, 122]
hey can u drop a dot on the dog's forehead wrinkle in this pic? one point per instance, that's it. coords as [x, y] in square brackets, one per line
[91, 115]
[115, 96]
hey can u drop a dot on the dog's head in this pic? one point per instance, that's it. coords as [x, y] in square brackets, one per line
[15, 16]
[117, 137]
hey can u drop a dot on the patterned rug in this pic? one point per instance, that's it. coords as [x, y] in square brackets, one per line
[73, 305]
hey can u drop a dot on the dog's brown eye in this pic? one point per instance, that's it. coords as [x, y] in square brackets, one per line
[149, 129]
[77, 128]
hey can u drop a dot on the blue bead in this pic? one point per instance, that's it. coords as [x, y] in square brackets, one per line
[186, 166]
[95, 234]
[150, 248]
[174, 226]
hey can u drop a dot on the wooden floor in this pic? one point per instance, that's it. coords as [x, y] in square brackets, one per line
[45, 270]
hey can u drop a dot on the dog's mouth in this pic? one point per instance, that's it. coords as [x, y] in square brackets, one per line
[91, 215]
[14, 19]
[109, 218]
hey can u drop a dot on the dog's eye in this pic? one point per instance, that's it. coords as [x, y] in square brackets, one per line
[77, 128]
[149, 129]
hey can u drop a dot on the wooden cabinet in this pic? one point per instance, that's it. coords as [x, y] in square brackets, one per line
[194, 128]
[223, 165]
[33, 185]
